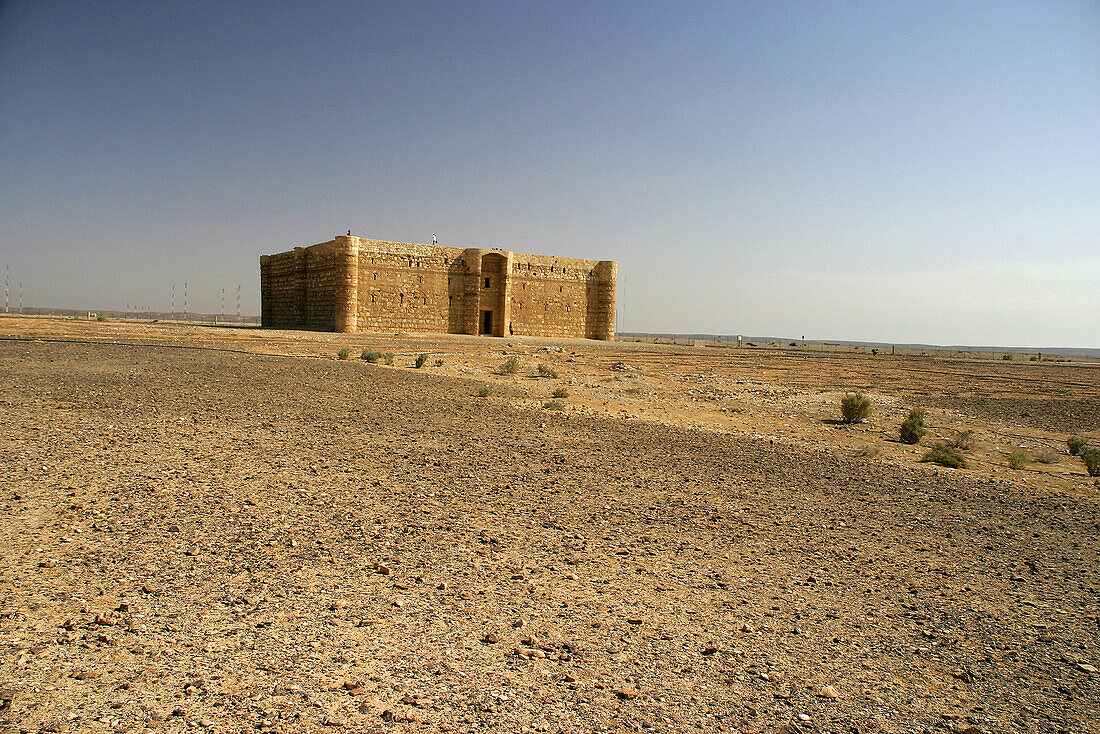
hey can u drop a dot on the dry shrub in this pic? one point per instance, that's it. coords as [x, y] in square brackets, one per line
[1075, 444]
[855, 407]
[484, 391]
[509, 366]
[1018, 459]
[343, 353]
[945, 455]
[554, 405]
[964, 440]
[546, 370]
[1091, 457]
[560, 392]
[1046, 455]
[912, 428]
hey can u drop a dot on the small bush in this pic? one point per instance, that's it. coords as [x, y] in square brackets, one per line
[560, 392]
[100, 317]
[546, 370]
[388, 357]
[484, 391]
[344, 353]
[1034, 358]
[1076, 443]
[867, 452]
[509, 366]
[855, 407]
[1046, 455]
[1007, 357]
[370, 355]
[420, 360]
[1091, 457]
[912, 429]
[1018, 459]
[945, 455]
[964, 441]
[439, 363]
[554, 405]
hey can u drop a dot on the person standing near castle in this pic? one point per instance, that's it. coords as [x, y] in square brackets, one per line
[435, 240]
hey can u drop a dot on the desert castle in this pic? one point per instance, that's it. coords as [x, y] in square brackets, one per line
[355, 284]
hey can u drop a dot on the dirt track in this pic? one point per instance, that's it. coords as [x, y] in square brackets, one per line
[233, 541]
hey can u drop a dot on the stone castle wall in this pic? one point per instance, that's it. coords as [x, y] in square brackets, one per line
[354, 284]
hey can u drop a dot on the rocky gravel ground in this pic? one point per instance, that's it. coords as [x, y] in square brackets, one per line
[228, 541]
[1069, 415]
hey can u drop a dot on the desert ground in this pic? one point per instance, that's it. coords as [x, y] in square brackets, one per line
[231, 530]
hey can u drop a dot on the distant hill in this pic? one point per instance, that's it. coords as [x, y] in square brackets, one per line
[190, 317]
[1063, 351]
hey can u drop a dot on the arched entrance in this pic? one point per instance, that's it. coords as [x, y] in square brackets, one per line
[491, 295]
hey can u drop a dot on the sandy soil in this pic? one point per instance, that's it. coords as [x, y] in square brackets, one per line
[230, 530]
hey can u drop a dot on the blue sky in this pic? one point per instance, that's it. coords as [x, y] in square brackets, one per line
[880, 171]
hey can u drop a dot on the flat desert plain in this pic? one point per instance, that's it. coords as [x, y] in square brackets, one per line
[230, 530]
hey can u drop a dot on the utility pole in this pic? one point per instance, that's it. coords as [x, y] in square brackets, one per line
[20, 297]
[223, 305]
[173, 301]
[185, 300]
[238, 304]
[7, 274]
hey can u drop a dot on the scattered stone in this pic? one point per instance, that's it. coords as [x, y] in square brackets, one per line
[827, 692]
[490, 638]
[1086, 668]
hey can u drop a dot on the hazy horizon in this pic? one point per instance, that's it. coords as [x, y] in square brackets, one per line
[909, 173]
